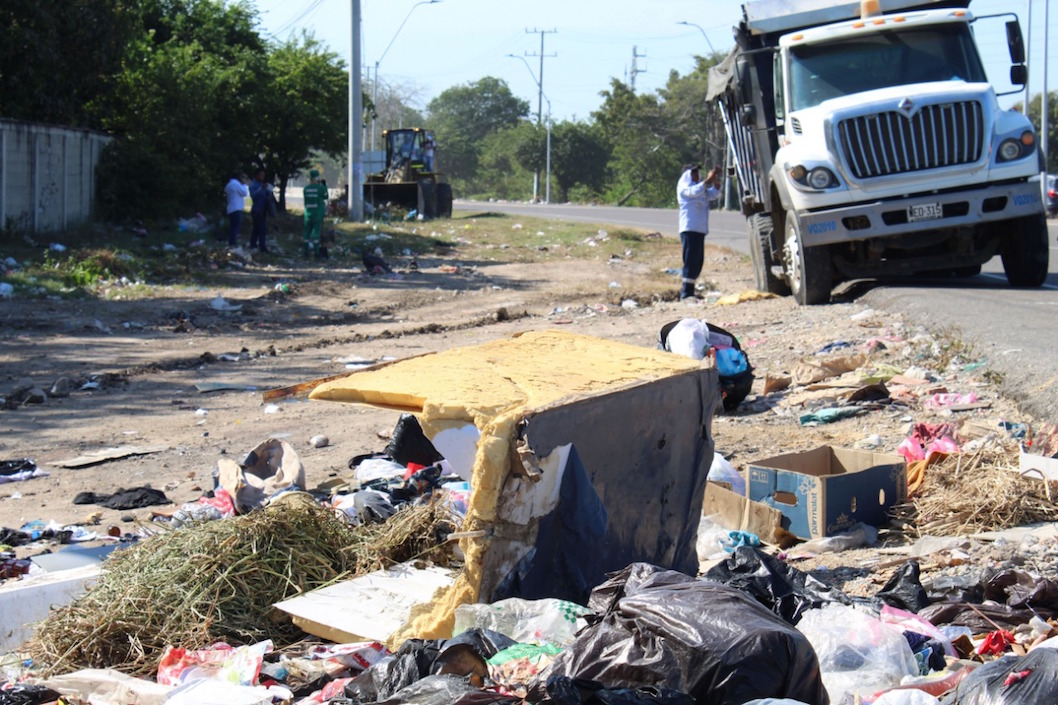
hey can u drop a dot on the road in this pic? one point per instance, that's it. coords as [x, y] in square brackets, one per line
[1012, 328]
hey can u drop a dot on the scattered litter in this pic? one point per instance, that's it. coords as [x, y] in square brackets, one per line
[744, 296]
[57, 247]
[629, 304]
[19, 470]
[6, 290]
[207, 387]
[319, 441]
[271, 409]
[220, 304]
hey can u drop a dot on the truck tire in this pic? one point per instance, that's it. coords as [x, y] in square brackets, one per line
[760, 230]
[1025, 256]
[444, 200]
[808, 269]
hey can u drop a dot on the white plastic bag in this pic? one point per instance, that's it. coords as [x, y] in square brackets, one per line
[725, 472]
[858, 654]
[547, 621]
[688, 338]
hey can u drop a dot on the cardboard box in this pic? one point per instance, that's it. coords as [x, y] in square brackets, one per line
[734, 511]
[824, 491]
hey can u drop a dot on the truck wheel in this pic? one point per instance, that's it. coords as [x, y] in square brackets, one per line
[444, 200]
[807, 268]
[1025, 255]
[760, 231]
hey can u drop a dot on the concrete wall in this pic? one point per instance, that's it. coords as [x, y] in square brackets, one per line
[47, 175]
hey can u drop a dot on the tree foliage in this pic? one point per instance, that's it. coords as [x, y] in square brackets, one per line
[462, 117]
[56, 60]
[304, 107]
[1052, 126]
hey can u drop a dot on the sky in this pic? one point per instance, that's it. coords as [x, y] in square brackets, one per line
[453, 42]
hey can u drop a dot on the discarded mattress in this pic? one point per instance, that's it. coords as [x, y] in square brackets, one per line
[592, 455]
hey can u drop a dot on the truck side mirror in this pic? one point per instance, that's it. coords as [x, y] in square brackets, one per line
[1019, 75]
[1016, 44]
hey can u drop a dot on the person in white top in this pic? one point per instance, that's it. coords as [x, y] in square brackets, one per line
[235, 192]
[428, 153]
[694, 195]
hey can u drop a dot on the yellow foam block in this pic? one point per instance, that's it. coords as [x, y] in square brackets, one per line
[493, 385]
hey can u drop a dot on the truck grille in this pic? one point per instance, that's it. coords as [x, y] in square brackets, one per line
[936, 136]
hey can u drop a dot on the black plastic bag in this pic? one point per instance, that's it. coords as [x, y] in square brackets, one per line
[465, 654]
[1026, 680]
[462, 655]
[409, 444]
[784, 590]
[569, 691]
[412, 662]
[446, 690]
[1012, 598]
[904, 590]
[664, 629]
[27, 695]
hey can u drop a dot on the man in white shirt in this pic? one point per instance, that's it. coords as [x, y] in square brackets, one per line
[235, 193]
[693, 195]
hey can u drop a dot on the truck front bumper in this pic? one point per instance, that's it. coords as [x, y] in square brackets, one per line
[957, 208]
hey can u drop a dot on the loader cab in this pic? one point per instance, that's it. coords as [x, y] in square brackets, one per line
[405, 153]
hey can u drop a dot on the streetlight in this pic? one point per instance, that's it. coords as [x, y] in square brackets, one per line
[374, 89]
[536, 175]
[691, 24]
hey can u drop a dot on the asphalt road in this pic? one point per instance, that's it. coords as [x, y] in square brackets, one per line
[1016, 330]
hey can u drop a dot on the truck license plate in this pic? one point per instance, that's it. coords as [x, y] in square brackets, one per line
[924, 211]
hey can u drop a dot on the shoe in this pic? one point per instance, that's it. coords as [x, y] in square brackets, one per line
[691, 300]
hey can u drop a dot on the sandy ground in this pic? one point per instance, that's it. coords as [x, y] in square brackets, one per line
[147, 355]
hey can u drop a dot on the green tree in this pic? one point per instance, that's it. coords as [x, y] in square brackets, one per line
[463, 116]
[183, 108]
[579, 157]
[303, 108]
[58, 60]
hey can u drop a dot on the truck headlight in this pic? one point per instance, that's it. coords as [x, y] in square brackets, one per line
[821, 178]
[1009, 150]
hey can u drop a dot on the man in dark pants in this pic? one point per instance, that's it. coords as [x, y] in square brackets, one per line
[261, 196]
[693, 195]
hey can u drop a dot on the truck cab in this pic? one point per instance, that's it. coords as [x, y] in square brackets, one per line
[875, 145]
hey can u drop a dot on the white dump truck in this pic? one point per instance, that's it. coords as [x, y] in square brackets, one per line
[869, 142]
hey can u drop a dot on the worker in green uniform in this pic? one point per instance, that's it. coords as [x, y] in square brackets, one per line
[315, 195]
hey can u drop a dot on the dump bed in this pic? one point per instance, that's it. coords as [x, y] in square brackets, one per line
[780, 16]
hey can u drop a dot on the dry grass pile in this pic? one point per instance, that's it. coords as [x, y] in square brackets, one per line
[977, 491]
[418, 532]
[217, 581]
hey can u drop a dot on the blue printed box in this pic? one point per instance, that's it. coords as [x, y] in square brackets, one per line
[824, 491]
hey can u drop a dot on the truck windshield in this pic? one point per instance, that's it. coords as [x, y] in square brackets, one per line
[820, 72]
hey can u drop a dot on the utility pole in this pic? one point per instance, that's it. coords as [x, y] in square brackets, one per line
[539, 93]
[635, 67]
[356, 112]
[1044, 99]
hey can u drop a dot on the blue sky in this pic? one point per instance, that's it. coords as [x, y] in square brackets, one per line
[458, 41]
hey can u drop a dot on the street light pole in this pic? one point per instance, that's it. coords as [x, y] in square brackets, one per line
[709, 43]
[355, 201]
[542, 97]
[374, 88]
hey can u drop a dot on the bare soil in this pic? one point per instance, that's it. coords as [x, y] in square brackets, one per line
[147, 355]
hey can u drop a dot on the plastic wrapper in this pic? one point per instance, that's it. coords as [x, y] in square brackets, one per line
[665, 629]
[567, 691]
[1027, 680]
[547, 621]
[240, 664]
[516, 666]
[725, 473]
[906, 697]
[784, 590]
[858, 654]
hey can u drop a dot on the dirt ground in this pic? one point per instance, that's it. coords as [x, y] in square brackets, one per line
[147, 355]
